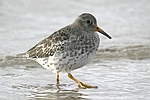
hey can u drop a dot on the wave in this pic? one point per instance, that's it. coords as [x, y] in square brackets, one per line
[130, 52]
[12, 60]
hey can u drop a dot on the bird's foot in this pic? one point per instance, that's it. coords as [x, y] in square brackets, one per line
[80, 84]
[84, 86]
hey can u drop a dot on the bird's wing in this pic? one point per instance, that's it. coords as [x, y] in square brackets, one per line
[50, 45]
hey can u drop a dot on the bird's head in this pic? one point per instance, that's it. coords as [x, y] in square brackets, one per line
[88, 22]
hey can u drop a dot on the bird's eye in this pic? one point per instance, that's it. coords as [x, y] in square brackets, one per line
[89, 22]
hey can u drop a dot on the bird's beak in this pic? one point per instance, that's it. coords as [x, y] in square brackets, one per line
[101, 31]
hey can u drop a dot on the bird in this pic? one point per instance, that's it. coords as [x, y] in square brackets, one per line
[69, 48]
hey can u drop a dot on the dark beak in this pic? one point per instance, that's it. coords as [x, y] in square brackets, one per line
[101, 31]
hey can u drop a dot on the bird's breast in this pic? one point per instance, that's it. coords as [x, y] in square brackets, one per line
[76, 52]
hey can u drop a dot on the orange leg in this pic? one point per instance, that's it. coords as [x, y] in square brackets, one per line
[80, 84]
[57, 78]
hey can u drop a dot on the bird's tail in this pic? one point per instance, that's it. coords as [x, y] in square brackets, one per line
[22, 55]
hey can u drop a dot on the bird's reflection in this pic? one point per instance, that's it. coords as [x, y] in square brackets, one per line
[62, 90]
[52, 91]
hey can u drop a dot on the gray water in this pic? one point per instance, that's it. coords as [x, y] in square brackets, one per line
[120, 69]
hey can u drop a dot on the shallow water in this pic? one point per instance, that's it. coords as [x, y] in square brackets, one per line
[121, 68]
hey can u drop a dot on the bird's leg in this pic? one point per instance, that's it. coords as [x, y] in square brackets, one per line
[57, 78]
[80, 84]
[57, 82]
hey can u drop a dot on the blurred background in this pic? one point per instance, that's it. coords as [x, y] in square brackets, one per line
[124, 58]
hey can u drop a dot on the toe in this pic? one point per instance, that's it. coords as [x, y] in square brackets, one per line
[84, 86]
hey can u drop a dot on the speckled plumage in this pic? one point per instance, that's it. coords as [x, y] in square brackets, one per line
[68, 48]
